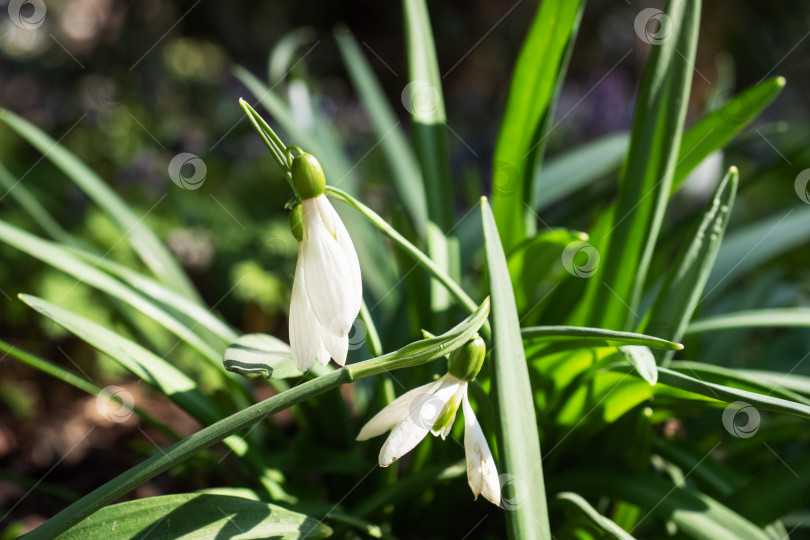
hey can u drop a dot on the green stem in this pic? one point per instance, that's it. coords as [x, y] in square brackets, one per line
[414, 354]
[411, 250]
[372, 336]
[268, 136]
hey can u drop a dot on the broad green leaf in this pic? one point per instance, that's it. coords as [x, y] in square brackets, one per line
[143, 363]
[799, 384]
[199, 516]
[695, 514]
[684, 283]
[596, 337]
[749, 247]
[405, 173]
[647, 176]
[260, 354]
[607, 527]
[755, 318]
[60, 258]
[520, 441]
[244, 419]
[563, 175]
[642, 359]
[539, 69]
[716, 129]
[785, 485]
[150, 249]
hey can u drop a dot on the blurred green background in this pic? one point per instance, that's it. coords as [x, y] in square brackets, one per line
[129, 85]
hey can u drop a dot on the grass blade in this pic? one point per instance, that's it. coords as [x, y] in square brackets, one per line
[150, 249]
[34, 208]
[755, 318]
[684, 283]
[405, 172]
[606, 526]
[204, 515]
[647, 176]
[519, 442]
[716, 129]
[539, 66]
[642, 359]
[786, 487]
[596, 337]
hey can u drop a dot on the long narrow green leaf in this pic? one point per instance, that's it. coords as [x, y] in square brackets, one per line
[642, 359]
[755, 318]
[150, 249]
[647, 177]
[683, 284]
[202, 515]
[573, 170]
[714, 130]
[405, 172]
[61, 259]
[695, 514]
[32, 205]
[595, 337]
[419, 352]
[608, 528]
[520, 441]
[540, 63]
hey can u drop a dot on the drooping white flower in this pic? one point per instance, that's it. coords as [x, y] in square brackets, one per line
[327, 289]
[432, 408]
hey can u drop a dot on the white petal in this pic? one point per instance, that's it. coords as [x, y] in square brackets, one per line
[337, 346]
[395, 411]
[330, 283]
[304, 339]
[335, 225]
[417, 421]
[482, 474]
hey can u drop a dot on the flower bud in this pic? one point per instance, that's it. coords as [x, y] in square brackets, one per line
[466, 361]
[296, 222]
[307, 176]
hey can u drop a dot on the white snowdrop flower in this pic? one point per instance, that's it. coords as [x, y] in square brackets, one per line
[432, 408]
[327, 290]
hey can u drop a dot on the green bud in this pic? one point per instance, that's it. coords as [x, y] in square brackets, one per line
[296, 222]
[307, 176]
[444, 422]
[466, 361]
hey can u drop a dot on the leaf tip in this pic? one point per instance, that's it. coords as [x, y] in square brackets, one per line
[733, 170]
[780, 82]
[484, 199]
[679, 346]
